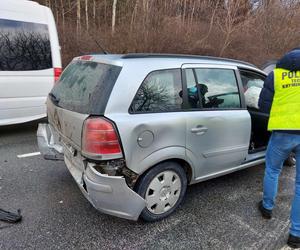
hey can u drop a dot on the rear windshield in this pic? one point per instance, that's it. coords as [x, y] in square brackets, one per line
[85, 87]
[24, 46]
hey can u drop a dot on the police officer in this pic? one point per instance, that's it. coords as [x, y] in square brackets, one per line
[193, 97]
[280, 97]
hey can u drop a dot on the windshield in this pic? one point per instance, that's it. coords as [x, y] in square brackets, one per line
[85, 87]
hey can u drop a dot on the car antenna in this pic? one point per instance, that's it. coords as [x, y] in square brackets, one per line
[98, 44]
[104, 51]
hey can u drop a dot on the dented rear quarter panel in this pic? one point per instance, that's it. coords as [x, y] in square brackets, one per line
[167, 141]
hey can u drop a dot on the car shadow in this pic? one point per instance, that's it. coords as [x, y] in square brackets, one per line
[21, 128]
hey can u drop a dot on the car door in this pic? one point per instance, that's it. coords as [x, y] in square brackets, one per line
[218, 123]
[252, 80]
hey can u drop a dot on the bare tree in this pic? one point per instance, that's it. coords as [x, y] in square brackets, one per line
[94, 11]
[78, 18]
[113, 19]
[62, 6]
[231, 28]
[133, 16]
[231, 21]
[86, 15]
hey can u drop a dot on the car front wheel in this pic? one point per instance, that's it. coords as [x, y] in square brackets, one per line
[163, 187]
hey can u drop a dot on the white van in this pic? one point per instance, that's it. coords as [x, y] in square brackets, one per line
[30, 60]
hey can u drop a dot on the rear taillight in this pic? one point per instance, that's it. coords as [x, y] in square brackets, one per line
[100, 137]
[57, 73]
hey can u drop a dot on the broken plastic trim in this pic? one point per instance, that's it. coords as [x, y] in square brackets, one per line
[117, 168]
[47, 142]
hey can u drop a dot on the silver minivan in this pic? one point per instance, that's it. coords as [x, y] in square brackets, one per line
[134, 130]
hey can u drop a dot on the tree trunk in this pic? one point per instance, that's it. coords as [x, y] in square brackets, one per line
[56, 12]
[113, 21]
[78, 19]
[86, 15]
[62, 13]
[63, 22]
[133, 15]
[94, 11]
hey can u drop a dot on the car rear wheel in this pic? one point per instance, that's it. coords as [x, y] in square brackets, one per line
[163, 187]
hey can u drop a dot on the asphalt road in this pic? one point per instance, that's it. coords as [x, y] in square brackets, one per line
[216, 214]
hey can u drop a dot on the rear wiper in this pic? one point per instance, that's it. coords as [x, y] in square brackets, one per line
[54, 99]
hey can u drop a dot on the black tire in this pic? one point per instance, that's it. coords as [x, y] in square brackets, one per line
[291, 160]
[145, 181]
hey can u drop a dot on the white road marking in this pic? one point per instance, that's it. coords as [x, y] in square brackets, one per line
[29, 155]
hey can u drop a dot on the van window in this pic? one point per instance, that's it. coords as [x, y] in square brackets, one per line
[161, 91]
[24, 46]
[85, 87]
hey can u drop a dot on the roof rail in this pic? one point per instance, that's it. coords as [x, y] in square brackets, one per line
[156, 55]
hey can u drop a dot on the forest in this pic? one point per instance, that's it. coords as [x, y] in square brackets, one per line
[250, 30]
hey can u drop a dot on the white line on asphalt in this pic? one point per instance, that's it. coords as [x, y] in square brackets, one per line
[29, 155]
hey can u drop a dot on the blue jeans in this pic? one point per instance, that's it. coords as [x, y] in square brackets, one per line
[279, 148]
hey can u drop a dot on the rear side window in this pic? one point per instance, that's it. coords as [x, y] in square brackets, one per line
[85, 87]
[24, 46]
[161, 91]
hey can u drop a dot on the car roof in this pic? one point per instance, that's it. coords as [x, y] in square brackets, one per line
[172, 59]
[13, 4]
[184, 56]
[23, 10]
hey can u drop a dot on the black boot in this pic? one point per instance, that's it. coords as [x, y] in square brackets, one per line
[266, 213]
[293, 241]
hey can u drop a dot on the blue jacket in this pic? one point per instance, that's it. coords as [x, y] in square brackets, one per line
[290, 61]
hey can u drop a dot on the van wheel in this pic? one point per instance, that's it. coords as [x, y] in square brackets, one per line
[291, 160]
[163, 187]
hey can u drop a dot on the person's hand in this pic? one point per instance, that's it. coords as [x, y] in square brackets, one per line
[215, 102]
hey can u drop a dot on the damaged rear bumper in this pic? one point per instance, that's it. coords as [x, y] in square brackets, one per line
[48, 142]
[108, 194]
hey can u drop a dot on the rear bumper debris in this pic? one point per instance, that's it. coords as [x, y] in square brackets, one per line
[108, 194]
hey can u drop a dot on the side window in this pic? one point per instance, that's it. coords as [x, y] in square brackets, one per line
[161, 91]
[252, 84]
[24, 46]
[218, 88]
[250, 79]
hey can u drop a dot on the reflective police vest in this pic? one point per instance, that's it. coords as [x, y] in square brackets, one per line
[285, 111]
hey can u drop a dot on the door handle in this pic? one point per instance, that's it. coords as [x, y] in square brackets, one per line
[199, 130]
